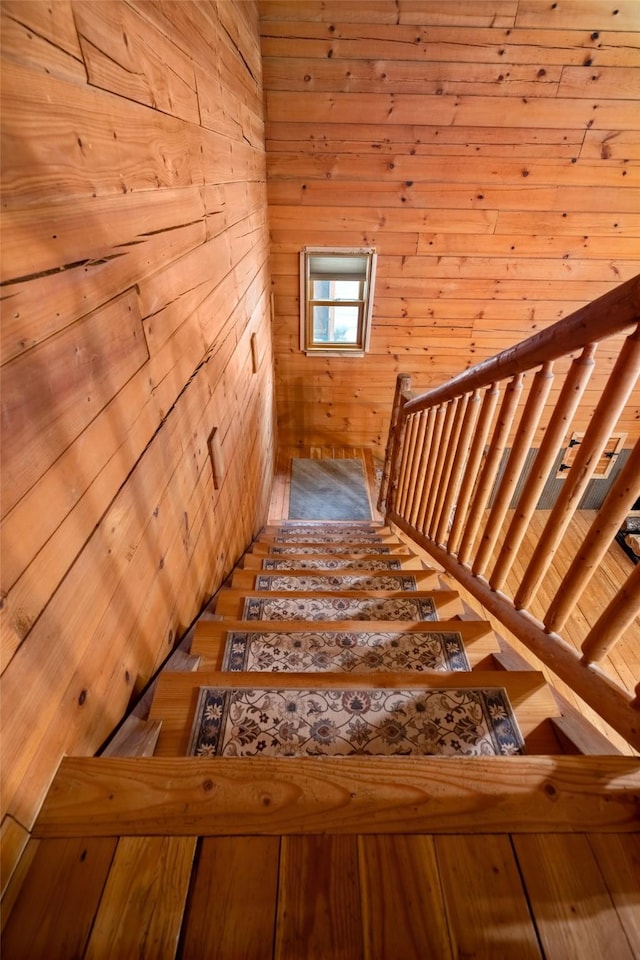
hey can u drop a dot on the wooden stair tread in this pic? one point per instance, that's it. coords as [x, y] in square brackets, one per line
[366, 540]
[176, 695]
[230, 602]
[477, 636]
[187, 796]
[404, 561]
[348, 549]
[423, 579]
[525, 680]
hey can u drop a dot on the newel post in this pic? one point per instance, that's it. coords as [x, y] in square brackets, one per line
[394, 443]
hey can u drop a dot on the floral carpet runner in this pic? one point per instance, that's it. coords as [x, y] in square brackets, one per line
[352, 530]
[339, 608]
[359, 550]
[330, 563]
[319, 537]
[329, 582]
[314, 651]
[316, 723]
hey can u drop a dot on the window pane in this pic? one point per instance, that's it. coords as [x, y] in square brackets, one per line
[336, 290]
[335, 325]
[336, 299]
[326, 265]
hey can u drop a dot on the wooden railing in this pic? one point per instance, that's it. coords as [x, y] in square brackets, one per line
[458, 455]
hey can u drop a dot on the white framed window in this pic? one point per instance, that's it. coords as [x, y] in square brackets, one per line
[336, 299]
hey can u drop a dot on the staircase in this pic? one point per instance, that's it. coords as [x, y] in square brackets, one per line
[349, 771]
[372, 605]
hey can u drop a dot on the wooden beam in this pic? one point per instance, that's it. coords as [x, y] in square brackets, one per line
[189, 796]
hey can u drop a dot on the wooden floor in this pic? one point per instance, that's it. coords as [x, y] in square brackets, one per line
[334, 897]
[623, 664]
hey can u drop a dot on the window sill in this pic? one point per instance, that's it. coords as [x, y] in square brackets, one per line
[332, 352]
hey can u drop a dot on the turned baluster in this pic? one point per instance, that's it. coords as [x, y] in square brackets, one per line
[425, 459]
[623, 494]
[441, 459]
[407, 455]
[612, 623]
[431, 465]
[614, 397]
[491, 465]
[524, 437]
[457, 470]
[452, 446]
[422, 448]
[473, 464]
[408, 506]
[568, 401]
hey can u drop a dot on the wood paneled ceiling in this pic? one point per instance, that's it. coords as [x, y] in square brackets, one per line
[489, 149]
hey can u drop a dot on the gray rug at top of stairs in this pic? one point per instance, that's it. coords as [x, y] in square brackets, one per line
[328, 490]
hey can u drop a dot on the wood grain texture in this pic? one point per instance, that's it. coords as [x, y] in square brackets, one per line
[230, 603]
[124, 56]
[210, 635]
[402, 907]
[486, 906]
[217, 797]
[318, 899]
[384, 126]
[14, 840]
[135, 268]
[176, 697]
[59, 898]
[574, 911]
[141, 909]
[620, 866]
[232, 906]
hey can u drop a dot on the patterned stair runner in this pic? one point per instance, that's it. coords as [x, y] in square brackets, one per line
[338, 722]
[349, 651]
[331, 581]
[347, 588]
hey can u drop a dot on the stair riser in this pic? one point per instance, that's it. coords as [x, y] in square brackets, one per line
[177, 695]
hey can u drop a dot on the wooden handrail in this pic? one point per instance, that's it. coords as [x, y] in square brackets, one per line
[449, 492]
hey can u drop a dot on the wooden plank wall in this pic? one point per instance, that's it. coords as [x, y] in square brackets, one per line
[489, 149]
[135, 275]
